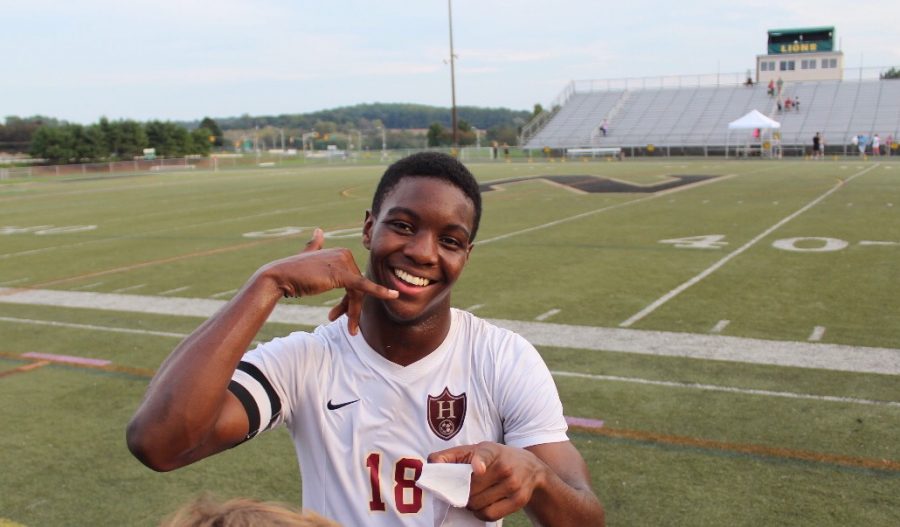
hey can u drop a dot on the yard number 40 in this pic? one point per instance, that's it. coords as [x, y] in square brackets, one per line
[816, 244]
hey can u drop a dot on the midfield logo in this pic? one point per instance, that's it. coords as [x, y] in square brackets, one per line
[597, 184]
[446, 413]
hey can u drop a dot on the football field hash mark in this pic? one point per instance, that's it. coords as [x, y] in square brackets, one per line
[720, 325]
[817, 333]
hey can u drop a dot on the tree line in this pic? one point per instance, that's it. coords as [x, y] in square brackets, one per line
[392, 115]
[60, 143]
[373, 125]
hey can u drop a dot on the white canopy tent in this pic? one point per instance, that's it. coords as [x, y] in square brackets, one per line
[753, 120]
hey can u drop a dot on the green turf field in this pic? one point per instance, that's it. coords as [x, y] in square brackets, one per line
[738, 336]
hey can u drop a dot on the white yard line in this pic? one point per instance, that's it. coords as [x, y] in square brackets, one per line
[727, 389]
[560, 221]
[173, 291]
[129, 288]
[92, 327]
[13, 282]
[833, 357]
[87, 286]
[546, 315]
[224, 293]
[716, 266]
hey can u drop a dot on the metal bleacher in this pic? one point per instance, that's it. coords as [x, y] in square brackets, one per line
[698, 116]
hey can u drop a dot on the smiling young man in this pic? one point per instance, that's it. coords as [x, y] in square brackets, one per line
[397, 380]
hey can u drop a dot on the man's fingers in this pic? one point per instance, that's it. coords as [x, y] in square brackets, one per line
[339, 309]
[316, 242]
[483, 455]
[459, 454]
[366, 286]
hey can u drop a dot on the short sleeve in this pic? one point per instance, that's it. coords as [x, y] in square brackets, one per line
[269, 377]
[528, 401]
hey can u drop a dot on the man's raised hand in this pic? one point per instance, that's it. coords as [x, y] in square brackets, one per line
[316, 270]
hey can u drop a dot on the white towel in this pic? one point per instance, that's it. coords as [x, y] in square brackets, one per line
[448, 481]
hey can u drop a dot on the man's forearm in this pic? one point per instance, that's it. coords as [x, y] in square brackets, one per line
[557, 504]
[185, 397]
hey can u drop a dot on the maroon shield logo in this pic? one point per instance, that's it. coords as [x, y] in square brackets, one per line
[446, 413]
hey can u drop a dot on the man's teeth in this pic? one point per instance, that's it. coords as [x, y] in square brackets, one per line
[410, 279]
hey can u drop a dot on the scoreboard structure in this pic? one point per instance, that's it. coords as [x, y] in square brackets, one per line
[802, 54]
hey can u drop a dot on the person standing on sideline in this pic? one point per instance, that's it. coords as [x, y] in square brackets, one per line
[817, 144]
[398, 381]
[876, 145]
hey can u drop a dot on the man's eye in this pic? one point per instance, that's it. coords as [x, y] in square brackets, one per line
[401, 226]
[453, 242]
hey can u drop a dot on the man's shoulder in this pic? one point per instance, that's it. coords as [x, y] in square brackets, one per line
[484, 331]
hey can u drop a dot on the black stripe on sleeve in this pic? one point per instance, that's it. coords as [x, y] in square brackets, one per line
[249, 406]
[274, 400]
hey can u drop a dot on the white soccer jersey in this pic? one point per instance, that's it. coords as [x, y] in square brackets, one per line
[363, 426]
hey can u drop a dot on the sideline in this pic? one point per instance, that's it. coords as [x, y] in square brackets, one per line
[587, 425]
[835, 357]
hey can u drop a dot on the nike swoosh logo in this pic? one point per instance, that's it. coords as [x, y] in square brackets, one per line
[332, 406]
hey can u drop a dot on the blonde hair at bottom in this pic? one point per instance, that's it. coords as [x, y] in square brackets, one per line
[207, 511]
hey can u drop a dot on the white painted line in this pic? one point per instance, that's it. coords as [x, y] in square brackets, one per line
[173, 291]
[817, 333]
[727, 389]
[834, 357]
[224, 293]
[602, 209]
[129, 288]
[869, 242]
[12, 282]
[92, 327]
[548, 314]
[720, 325]
[474, 307]
[88, 286]
[715, 267]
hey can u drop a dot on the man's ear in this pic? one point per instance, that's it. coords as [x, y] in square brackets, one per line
[367, 230]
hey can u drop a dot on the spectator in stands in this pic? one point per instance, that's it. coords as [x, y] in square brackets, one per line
[779, 84]
[749, 82]
[205, 511]
[603, 127]
[779, 105]
[771, 89]
[796, 103]
[787, 104]
[876, 145]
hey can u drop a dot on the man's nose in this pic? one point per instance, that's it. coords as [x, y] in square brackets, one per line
[422, 248]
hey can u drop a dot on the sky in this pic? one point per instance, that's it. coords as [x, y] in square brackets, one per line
[186, 59]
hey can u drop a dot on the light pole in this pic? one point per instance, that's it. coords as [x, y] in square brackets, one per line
[452, 78]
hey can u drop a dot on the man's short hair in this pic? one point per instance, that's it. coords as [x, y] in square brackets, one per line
[431, 164]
